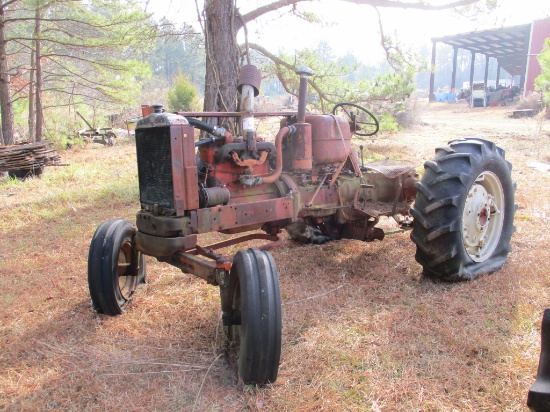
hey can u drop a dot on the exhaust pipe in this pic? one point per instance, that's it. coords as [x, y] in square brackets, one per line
[304, 73]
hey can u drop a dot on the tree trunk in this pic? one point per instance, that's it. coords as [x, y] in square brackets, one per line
[6, 105]
[38, 91]
[222, 56]
[32, 112]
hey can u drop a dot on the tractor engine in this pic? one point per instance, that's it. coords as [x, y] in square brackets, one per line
[309, 180]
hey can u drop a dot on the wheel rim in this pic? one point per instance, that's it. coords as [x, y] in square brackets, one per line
[126, 280]
[483, 217]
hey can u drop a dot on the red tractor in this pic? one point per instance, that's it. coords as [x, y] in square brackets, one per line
[310, 182]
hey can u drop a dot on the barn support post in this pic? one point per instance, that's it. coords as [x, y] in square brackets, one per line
[472, 63]
[453, 79]
[486, 76]
[498, 74]
[523, 73]
[432, 73]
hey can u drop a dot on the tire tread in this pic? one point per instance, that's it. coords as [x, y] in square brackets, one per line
[438, 208]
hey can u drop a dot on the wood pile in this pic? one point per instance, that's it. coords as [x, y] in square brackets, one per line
[28, 157]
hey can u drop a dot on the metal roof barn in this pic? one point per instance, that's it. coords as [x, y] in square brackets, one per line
[515, 49]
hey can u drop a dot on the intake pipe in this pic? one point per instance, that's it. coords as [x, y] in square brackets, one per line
[216, 131]
[223, 152]
[278, 154]
[257, 180]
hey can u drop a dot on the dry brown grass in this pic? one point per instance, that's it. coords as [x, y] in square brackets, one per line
[362, 329]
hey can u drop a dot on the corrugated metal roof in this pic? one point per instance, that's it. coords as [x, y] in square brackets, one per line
[508, 44]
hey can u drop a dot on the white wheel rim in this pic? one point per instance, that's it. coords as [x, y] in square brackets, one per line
[483, 217]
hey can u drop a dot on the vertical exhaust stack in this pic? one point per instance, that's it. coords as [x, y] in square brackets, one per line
[304, 74]
[301, 139]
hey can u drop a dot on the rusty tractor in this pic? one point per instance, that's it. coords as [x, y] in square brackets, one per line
[102, 135]
[310, 182]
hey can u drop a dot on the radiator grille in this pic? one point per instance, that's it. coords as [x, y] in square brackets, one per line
[155, 167]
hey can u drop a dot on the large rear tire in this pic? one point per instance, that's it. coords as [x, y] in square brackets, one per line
[464, 211]
[256, 313]
[115, 266]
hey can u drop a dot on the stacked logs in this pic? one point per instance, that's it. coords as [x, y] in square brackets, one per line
[27, 158]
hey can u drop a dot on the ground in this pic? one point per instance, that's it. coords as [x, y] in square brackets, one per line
[363, 330]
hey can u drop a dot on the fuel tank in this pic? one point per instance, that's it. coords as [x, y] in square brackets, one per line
[330, 138]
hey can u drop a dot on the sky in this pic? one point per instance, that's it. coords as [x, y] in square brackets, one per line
[349, 27]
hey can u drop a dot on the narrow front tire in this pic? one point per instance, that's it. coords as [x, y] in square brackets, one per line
[115, 266]
[256, 326]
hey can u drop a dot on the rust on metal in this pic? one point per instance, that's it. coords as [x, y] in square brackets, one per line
[300, 147]
[331, 138]
[310, 203]
[205, 269]
[391, 168]
[245, 214]
[249, 163]
[238, 114]
[409, 186]
[163, 246]
[250, 75]
[236, 241]
[184, 169]
[310, 175]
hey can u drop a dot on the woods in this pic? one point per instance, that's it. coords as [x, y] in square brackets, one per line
[66, 53]
[57, 56]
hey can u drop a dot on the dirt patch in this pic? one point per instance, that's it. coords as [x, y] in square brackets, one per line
[362, 328]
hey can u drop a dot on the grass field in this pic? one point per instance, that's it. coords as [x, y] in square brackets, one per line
[363, 330]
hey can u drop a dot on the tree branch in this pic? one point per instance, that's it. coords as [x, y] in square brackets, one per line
[260, 11]
[270, 56]
[419, 5]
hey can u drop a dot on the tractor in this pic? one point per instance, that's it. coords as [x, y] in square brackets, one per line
[309, 181]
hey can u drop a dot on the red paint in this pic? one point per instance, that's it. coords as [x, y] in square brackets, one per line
[540, 31]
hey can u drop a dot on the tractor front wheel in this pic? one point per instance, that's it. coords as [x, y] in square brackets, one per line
[115, 266]
[255, 328]
[464, 211]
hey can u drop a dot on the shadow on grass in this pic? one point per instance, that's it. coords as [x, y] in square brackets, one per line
[359, 323]
[165, 353]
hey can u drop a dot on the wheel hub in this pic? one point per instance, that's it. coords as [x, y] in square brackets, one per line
[126, 282]
[483, 217]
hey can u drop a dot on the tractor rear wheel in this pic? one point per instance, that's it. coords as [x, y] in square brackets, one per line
[115, 266]
[256, 316]
[464, 211]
